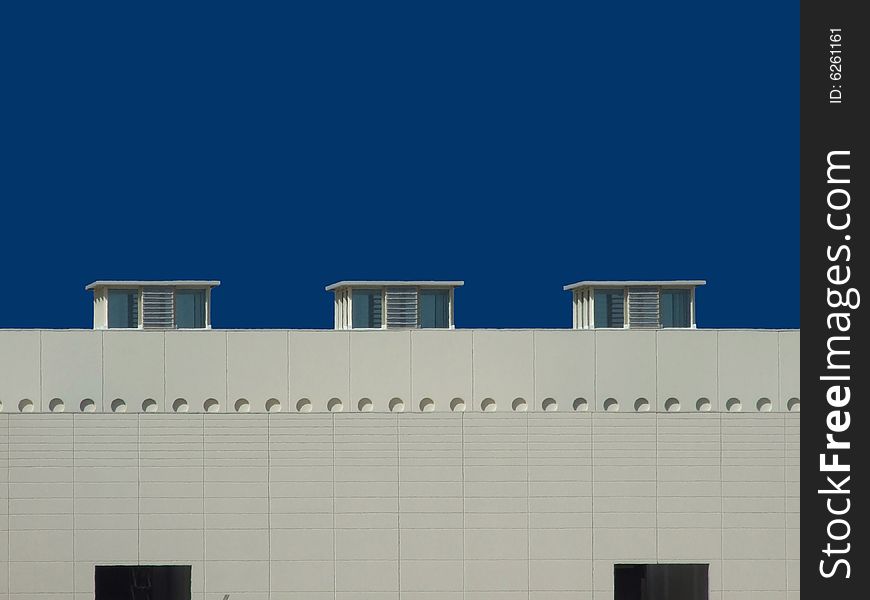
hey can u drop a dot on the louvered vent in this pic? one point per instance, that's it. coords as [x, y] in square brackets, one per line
[157, 308]
[375, 310]
[643, 308]
[614, 309]
[401, 307]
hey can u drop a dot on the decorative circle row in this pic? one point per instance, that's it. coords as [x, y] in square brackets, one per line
[304, 405]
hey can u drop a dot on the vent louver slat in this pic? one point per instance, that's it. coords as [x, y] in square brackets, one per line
[643, 308]
[401, 307]
[158, 308]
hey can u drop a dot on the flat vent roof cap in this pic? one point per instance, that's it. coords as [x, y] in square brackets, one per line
[161, 283]
[637, 283]
[347, 283]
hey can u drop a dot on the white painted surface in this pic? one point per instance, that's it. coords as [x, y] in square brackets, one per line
[419, 505]
[473, 365]
[532, 504]
[133, 364]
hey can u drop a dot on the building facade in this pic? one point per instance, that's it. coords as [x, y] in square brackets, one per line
[413, 463]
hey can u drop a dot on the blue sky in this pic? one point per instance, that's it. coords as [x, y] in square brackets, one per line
[517, 146]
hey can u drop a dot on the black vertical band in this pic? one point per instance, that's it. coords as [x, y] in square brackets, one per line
[834, 371]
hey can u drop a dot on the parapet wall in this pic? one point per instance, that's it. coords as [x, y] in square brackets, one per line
[411, 371]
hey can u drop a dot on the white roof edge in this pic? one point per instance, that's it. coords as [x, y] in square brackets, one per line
[341, 284]
[658, 282]
[142, 282]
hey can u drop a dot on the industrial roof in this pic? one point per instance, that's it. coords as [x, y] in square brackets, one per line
[341, 284]
[140, 283]
[630, 283]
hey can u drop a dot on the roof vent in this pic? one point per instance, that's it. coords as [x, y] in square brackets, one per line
[184, 304]
[634, 304]
[394, 304]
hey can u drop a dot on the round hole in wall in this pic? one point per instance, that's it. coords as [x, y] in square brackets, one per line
[703, 405]
[1, 406]
[25, 406]
[457, 405]
[334, 405]
[733, 405]
[580, 404]
[211, 405]
[242, 406]
[365, 405]
[56, 405]
[397, 405]
[274, 405]
[519, 405]
[488, 405]
[149, 405]
[88, 406]
[180, 405]
[303, 405]
[793, 405]
[549, 405]
[764, 405]
[641, 405]
[118, 405]
[611, 405]
[427, 405]
[672, 405]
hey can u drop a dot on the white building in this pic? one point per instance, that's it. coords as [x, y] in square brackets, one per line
[407, 460]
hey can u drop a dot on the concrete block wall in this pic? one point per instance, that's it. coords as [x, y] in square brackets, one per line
[410, 371]
[416, 506]
[575, 450]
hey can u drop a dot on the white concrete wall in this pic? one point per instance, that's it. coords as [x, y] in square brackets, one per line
[281, 505]
[361, 506]
[251, 371]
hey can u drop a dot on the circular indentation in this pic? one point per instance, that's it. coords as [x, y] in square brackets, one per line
[365, 405]
[334, 405]
[549, 405]
[703, 405]
[211, 405]
[242, 406]
[793, 405]
[672, 405]
[25, 406]
[733, 405]
[56, 405]
[1, 406]
[274, 405]
[118, 405]
[641, 405]
[180, 405]
[764, 405]
[457, 405]
[304, 405]
[580, 404]
[488, 405]
[611, 405]
[397, 405]
[88, 406]
[149, 405]
[519, 405]
[427, 405]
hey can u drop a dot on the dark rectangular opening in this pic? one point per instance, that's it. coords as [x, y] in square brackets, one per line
[661, 582]
[142, 582]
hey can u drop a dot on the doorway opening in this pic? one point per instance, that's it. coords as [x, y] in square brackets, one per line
[142, 582]
[661, 582]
